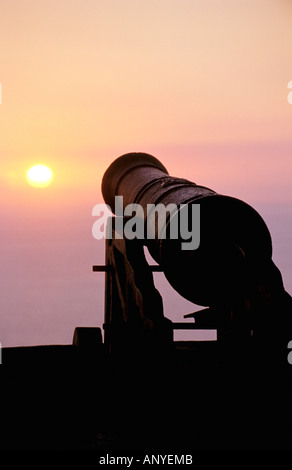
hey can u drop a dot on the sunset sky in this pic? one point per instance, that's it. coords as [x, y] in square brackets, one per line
[200, 84]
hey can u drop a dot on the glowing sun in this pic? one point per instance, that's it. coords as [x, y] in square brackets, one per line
[39, 176]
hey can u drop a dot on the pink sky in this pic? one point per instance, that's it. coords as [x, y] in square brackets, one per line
[200, 84]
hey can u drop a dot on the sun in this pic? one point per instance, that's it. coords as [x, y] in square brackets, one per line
[39, 176]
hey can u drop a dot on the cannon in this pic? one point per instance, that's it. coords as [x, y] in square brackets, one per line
[138, 388]
[230, 270]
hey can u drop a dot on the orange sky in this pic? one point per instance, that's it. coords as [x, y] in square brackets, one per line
[200, 84]
[84, 79]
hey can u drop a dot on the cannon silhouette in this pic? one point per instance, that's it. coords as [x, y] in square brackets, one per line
[230, 272]
[140, 389]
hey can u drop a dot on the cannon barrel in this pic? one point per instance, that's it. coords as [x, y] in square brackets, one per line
[231, 231]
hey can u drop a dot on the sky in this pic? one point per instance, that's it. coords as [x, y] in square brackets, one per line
[200, 84]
